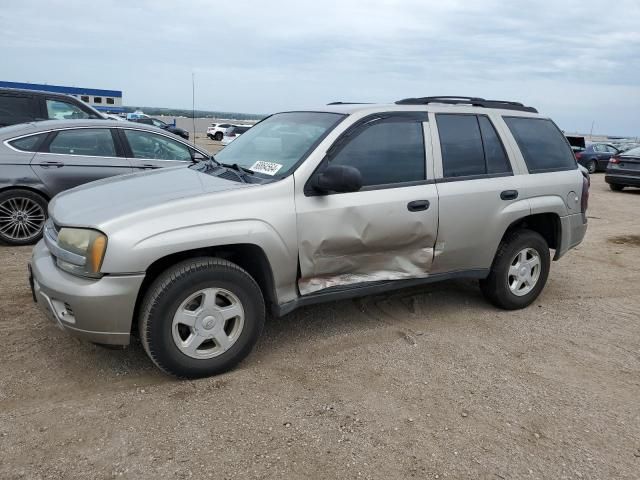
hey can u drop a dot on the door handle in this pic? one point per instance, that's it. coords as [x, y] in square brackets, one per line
[418, 205]
[509, 195]
[52, 164]
[148, 165]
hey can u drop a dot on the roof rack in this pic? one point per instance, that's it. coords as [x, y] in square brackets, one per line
[474, 101]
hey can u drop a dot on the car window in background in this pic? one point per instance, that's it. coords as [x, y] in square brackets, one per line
[15, 107]
[611, 149]
[386, 153]
[156, 147]
[59, 110]
[28, 144]
[281, 141]
[94, 142]
[461, 145]
[542, 144]
[157, 123]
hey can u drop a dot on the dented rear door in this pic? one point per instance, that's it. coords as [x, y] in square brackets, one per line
[385, 231]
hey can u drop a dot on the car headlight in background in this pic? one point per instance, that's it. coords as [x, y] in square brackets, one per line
[86, 244]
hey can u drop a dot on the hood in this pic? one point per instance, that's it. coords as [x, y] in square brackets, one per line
[96, 203]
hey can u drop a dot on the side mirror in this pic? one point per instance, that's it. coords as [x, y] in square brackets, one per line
[196, 156]
[337, 178]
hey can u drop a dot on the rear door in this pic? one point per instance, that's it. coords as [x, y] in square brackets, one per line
[17, 108]
[148, 150]
[75, 156]
[387, 229]
[478, 191]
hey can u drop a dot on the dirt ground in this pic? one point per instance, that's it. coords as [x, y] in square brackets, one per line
[428, 382]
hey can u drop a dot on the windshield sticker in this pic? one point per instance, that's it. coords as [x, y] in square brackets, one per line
[267, 168]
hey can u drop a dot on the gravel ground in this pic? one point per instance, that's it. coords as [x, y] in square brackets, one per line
[428, 382]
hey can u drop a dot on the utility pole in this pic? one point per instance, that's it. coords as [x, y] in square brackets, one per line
[193, 104]
[591, 132]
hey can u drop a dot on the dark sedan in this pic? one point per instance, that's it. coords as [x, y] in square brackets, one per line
[39, 160]
[624, 170]
[595, 156]
[165, 126]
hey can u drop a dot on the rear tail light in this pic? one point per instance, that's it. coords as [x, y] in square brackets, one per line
[584, 201]
[578, 155]
[614, 160]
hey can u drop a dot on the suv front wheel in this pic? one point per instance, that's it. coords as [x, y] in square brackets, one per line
[201, 317]
[519, 271]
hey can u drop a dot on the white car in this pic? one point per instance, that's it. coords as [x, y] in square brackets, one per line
[234, 132]
[216, 131]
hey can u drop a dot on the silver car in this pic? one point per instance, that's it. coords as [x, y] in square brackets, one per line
[307, 207]
[39, 160]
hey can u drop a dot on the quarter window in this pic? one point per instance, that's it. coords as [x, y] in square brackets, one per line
[28, 144]
[151, 146]
[470, 146]
[93, 142]
[542, 144]
[59, 110]
[388, 152]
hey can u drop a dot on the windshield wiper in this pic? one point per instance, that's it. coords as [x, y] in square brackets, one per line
[236, 167]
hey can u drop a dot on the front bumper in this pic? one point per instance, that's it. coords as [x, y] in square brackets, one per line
[97, 310]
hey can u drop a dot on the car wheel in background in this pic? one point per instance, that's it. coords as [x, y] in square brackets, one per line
[201, 317]
[22, 216]
[616, 187]
[592, 166]
[519, 271]
[218, 136]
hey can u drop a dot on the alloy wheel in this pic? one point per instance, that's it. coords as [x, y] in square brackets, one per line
[21, 219]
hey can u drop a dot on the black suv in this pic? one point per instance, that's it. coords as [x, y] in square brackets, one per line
[165, 126]
[20, 106]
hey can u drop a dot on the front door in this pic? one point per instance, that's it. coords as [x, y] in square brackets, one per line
[385, 231]
[75, 156]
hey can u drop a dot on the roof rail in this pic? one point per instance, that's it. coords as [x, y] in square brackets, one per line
[474, 101]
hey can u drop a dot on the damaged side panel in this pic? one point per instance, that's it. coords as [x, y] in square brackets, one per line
[365, 236]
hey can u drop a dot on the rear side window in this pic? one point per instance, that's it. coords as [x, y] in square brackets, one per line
[93, 142]
[542, 144]
[470, 146]
[28, 144]
[386, 153]
[19, 107]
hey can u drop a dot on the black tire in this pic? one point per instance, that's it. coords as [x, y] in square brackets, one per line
[495, 287]
[592, 166]
[616, 187]
[175, 285]
[218, 136]
[32, 200]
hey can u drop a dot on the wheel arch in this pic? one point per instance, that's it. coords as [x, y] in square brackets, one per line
[30, 188]
[247, 256]
[547, 224]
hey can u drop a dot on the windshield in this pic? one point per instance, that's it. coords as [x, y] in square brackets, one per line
[634, 152]
[275, 146]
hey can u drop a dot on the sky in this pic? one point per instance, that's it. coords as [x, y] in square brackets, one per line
[576, 61]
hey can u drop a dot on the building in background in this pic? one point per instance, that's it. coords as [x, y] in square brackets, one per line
[108, 101]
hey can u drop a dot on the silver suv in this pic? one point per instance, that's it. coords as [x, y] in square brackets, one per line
[306, 207]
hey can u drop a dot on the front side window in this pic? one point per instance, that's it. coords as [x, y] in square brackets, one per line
[59, 110]
[28, 144]
[470, 146]
[387, 152]
[275, 146]
[542, 144]
[93, 142]
[157, 147]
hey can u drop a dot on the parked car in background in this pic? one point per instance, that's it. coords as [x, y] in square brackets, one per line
[215, 131]
[160, 124]
[624, 170]
[20, 106]
[40, 160]
[234, 132]
[595, 156]
[309, 207]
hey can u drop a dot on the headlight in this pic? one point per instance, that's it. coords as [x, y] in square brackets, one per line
[88, 248]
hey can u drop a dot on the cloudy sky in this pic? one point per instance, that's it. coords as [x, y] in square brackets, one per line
[578, 61]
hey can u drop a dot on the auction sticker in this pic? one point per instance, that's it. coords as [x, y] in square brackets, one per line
[267, 168]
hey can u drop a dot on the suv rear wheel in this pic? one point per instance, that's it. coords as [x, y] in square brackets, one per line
[201, 317]
[519, 271]
[22, 216]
